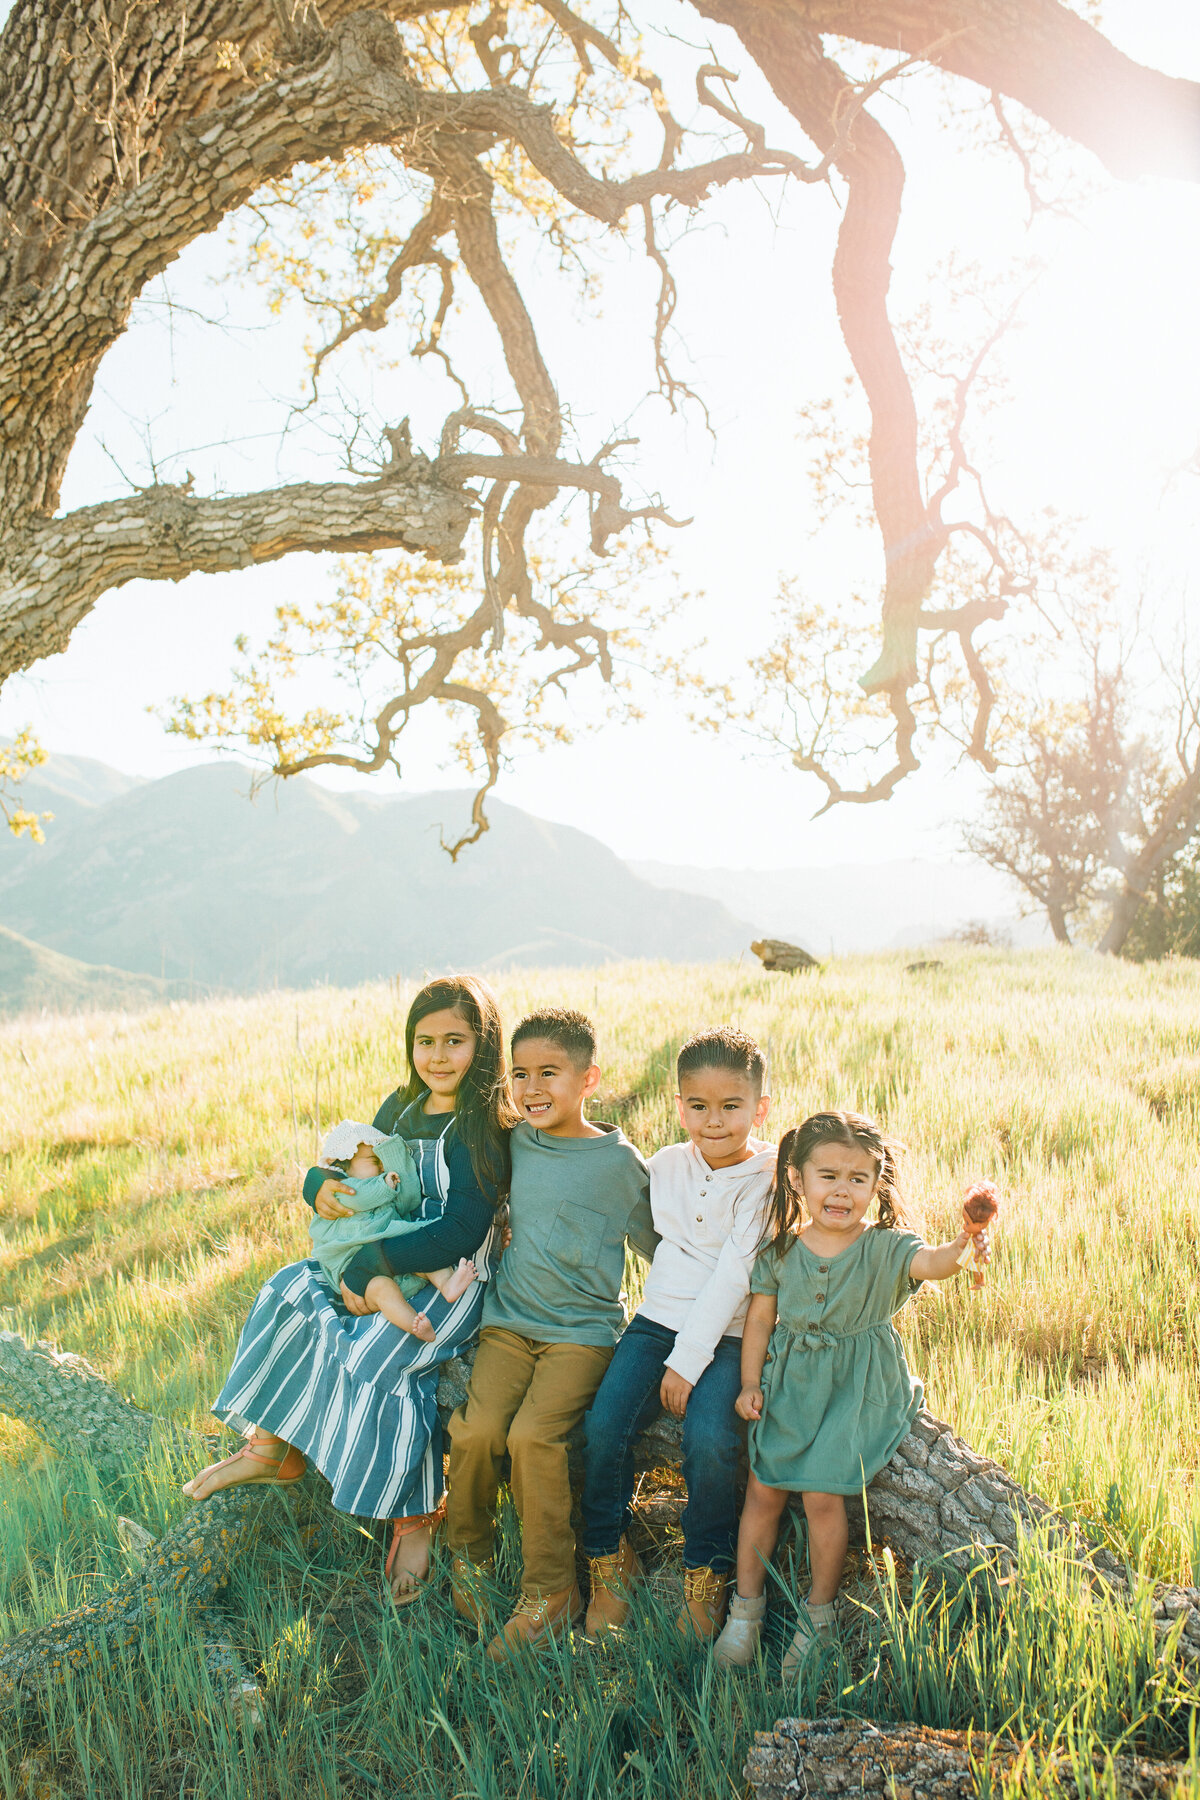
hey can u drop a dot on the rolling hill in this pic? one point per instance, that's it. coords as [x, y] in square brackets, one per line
[189, 878]
[32, 977]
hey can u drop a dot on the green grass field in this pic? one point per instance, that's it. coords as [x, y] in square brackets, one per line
[150, 1183]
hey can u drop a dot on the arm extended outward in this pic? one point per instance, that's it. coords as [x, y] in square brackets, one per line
[938, 1263]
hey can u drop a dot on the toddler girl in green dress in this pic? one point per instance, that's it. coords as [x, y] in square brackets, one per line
[837, 1396]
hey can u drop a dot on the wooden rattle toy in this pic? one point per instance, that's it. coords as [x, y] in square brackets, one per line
[981, 1207]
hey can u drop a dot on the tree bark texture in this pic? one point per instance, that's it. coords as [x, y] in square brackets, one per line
[129, 129]
[62, 1398]
[820, 1759]
[76, 1411]
[936, 1500]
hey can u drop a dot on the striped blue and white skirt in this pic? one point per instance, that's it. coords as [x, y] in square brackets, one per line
[357, 1396]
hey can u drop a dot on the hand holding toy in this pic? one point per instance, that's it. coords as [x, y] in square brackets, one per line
[981, 1207]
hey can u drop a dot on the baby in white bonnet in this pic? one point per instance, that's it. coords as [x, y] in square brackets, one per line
[386, 1200]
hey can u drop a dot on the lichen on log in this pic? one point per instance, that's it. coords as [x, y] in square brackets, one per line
[70, 1406]
[78, 1412]
[825, 1759]
[184, 1568]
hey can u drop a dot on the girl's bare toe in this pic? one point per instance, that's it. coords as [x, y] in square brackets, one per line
[202, 1485]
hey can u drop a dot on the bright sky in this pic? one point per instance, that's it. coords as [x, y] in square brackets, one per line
[1106, 395]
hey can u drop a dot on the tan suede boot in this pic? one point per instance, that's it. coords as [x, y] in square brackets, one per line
[537, 1618]
[612, 1578]
[466, 1590]
[703, 1610]
[738, 1644]
[815, 1630]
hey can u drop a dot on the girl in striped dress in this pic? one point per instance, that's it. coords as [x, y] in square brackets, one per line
[333, 1382]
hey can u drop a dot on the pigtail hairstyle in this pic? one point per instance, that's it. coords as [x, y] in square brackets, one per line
[785, 1210]
[892, 1212]
[484, 1112]
[796, 1147]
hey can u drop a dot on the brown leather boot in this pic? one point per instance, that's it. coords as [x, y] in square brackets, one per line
[470, 1602]
[612, 1578]
[703, 1609]
[537, 1618]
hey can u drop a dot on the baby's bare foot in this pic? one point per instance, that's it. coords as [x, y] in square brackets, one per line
[422, 1328]
[460, 1280]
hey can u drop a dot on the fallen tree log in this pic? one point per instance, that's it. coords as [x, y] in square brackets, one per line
[77, 1411]
[187, 1567]
[937, 1500]
[70, 1406]
[826, 1759]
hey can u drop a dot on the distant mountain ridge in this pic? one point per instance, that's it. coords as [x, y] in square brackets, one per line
[67, 787]
[859, 906]
[184, 878]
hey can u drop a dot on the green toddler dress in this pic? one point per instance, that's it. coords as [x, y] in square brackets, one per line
[838, 1396]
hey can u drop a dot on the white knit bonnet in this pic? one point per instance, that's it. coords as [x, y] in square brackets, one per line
[343, 1141]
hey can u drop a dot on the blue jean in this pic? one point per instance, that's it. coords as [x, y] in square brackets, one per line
[713, 1435]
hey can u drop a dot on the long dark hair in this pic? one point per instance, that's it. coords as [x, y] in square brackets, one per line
[785, 1214]
[484, 1112]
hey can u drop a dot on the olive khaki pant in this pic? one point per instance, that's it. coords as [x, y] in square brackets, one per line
[525, 1397]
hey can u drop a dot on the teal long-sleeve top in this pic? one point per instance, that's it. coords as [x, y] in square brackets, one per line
[574, 1205]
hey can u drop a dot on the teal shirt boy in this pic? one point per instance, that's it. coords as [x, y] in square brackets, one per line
[575, 1202]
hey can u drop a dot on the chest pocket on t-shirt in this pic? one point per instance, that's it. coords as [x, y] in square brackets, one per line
[576, 1237]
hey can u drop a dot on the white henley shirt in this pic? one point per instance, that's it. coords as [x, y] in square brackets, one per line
[711, 1224]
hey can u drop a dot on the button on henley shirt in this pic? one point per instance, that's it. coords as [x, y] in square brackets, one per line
[711, 1225]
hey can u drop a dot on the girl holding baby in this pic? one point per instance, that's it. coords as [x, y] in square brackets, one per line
[331, 1381]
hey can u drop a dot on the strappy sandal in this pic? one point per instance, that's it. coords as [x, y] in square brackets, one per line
[256, 1451]
[402, 1528]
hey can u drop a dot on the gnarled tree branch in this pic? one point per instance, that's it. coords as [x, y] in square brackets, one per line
[54, 570]
[144, 125]
[1041, 54]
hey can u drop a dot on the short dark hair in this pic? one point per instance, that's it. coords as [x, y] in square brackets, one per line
[571, 1031]
[721, 1047]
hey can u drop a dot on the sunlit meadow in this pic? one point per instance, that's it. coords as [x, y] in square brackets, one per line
[149, 1167]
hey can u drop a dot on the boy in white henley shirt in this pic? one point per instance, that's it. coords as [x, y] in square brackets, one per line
[681, 1352]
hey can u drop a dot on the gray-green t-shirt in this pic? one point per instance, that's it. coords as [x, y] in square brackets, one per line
[574, 1202]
